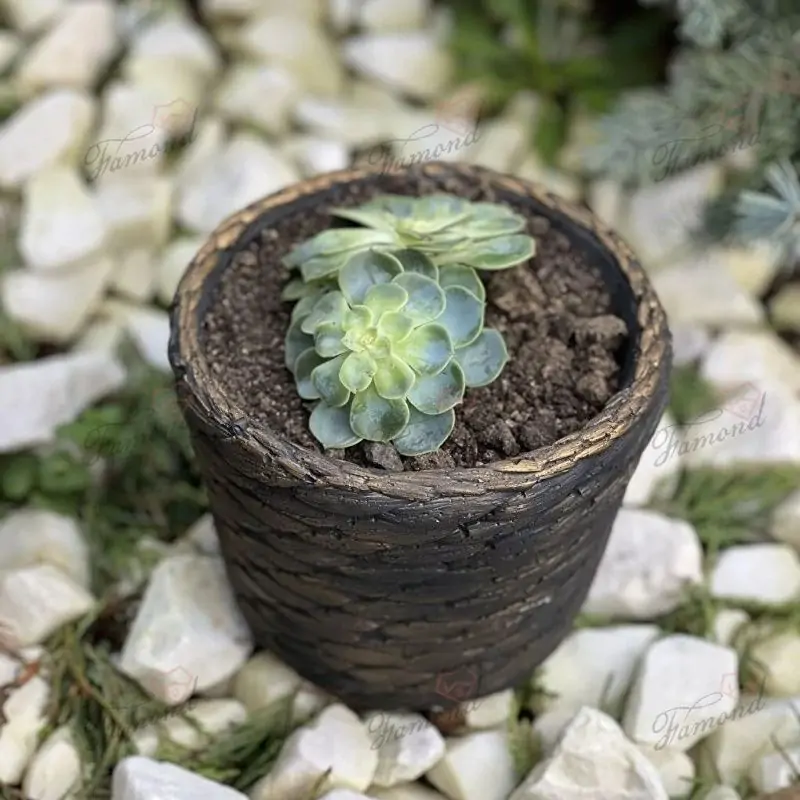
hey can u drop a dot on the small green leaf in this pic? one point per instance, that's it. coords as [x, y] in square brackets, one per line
[294, 290]
[393, 378]
[414, 261]
[441, 209]
[375, 418]
[397, 205]
[296, 343]
[365, 270]
[303, 306]
[426, 300]
[329, 340]
[483, 360]
[494, 218]
[395, 325]
[306, 363]
[357, 371]
[385, 297]
[466, 277]
[424, 433]
[358, 318]
[318, 269]
[434, 394]
[326, 381]
[333, 242]
[331, 426]
[426, 349]
[330, 307]
[380, 220]
[499, 253]
[462, 316]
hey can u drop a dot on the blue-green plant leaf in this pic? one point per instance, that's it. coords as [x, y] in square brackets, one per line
[295, 289]
[326, 381]
[303, 306]
[331, 426]
[466, 277]
[296, 342]
[424, 433]
[426, 300]
[357, 371]
[434, 394]
[494, 218]
[398, 205]
[375, 418]
[385, 298]
[365, 270]
[414, 261]
[395, 326]
[483, 360]
[329, 340]
[393, 378]
[306, 363]
[426, 349]
[462, 316]
[372, 218]
[322, 268]
[498, 253]
[330, 307]
[335, 241]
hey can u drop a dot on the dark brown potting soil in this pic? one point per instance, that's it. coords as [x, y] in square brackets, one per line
[554, 313]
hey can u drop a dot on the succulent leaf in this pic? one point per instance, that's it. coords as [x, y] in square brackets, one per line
[357, 371]
[365, 270]
[330, 307]
[426, 300]
[466, 277]
[331, 426]
[326, 381]
[296, 343]
[434, 394]
[497, 253]
[462, 316]
[329, 340]
[334, 242]
[395, 325]
[306, 363]
[414, 261]
[385, 298]
[377, 418]
[393, 378]
[483, 360]
[424, 433]
[426, 349]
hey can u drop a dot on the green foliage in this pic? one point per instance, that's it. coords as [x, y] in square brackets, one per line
[690, 395]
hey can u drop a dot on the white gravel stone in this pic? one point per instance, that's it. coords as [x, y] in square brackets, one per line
[605, 198]
[409, 791]
[10, 47]
[414, 63]
[61, 224]
[134, 275]
[742, 358]
[285, 40]
[682, 691]
[723, 793]
[35, 601]
[763, 573]
[74, 51]
[779, 655]
[258, 95]
[716, 300]
[477, 766]
[776, 771]
[351, 122]
[26, 713]
[263, 681]
[213, 717]
[315, 154]
[345, 794]
[188, 633]
[55, 770]
[202, 536]
[246, 171]
[333, 752]
[308, 701]
[594, 667]
[649, 564]
[549, 727]
[407, 746]
[30, 16]
[488, 712]
[49, 130]
[784, 309]
[174, 261]
[763, 726]
[311, 10]
[786, 521]
[675, 769]
[138, 778]
[689, 343]
[54, 306]
[499, 145]
[34, 536]
[148, 328]
[204, 147]
[593, 760]
[728, 623]
[103, 336]
[387, 15]
[38, 397]
[755, 265]
[659, 467]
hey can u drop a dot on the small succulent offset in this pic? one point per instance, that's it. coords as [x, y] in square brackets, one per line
[387, 337]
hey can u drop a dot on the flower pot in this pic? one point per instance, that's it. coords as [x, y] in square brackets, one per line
[412, 589]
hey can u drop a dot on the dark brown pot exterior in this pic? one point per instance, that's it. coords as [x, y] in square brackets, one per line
[416, 589]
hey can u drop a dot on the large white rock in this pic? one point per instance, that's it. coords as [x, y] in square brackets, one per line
[659, 467]
[764, 573]
[407, 745]
[38, 397]
[743, 358]
[762, 726]
[25, 712]
[206, 145]
[258, 95]
[409, 791]
[55, 769]
[332, 752]
[29, 16]
[35, 601]
[593, 761]
[148, 328]
[684, 688]
[34, 536]
[606, 200]
[138, 778]
[263, 681]
[315, 154]
[61, 223]
[134, 275]
[188, 633]
[689, 343]
[46, 131]
[776, 771]
[353, 122]
[415, 63]
[594, 667]
[491, 711]
[786, 521]
[55, 306]
[174, 260]
[477, 766]
[202, 538]
[716, 300]
[386, 15]
[727, 624]
[778, 656]
[675, 769]
[74, 51]
[209, 719]
[499, 145]
[548, 727]
[286, 40]
[246, 171]
[649, 564]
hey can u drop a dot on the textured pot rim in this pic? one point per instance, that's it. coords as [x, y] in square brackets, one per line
[618, 416]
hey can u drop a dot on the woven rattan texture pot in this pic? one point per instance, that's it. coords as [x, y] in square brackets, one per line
[410, 589]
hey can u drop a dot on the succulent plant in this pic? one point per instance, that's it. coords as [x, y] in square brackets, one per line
[447, 229]
[388, 347]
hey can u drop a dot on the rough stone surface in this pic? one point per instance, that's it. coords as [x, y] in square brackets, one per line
[138, 778]
[768, 574]
[263, 681]
[55, 770]
[779, 655]
[675, 768]
[25, 712]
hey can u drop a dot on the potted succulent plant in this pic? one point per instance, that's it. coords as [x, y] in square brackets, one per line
[416, 398]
